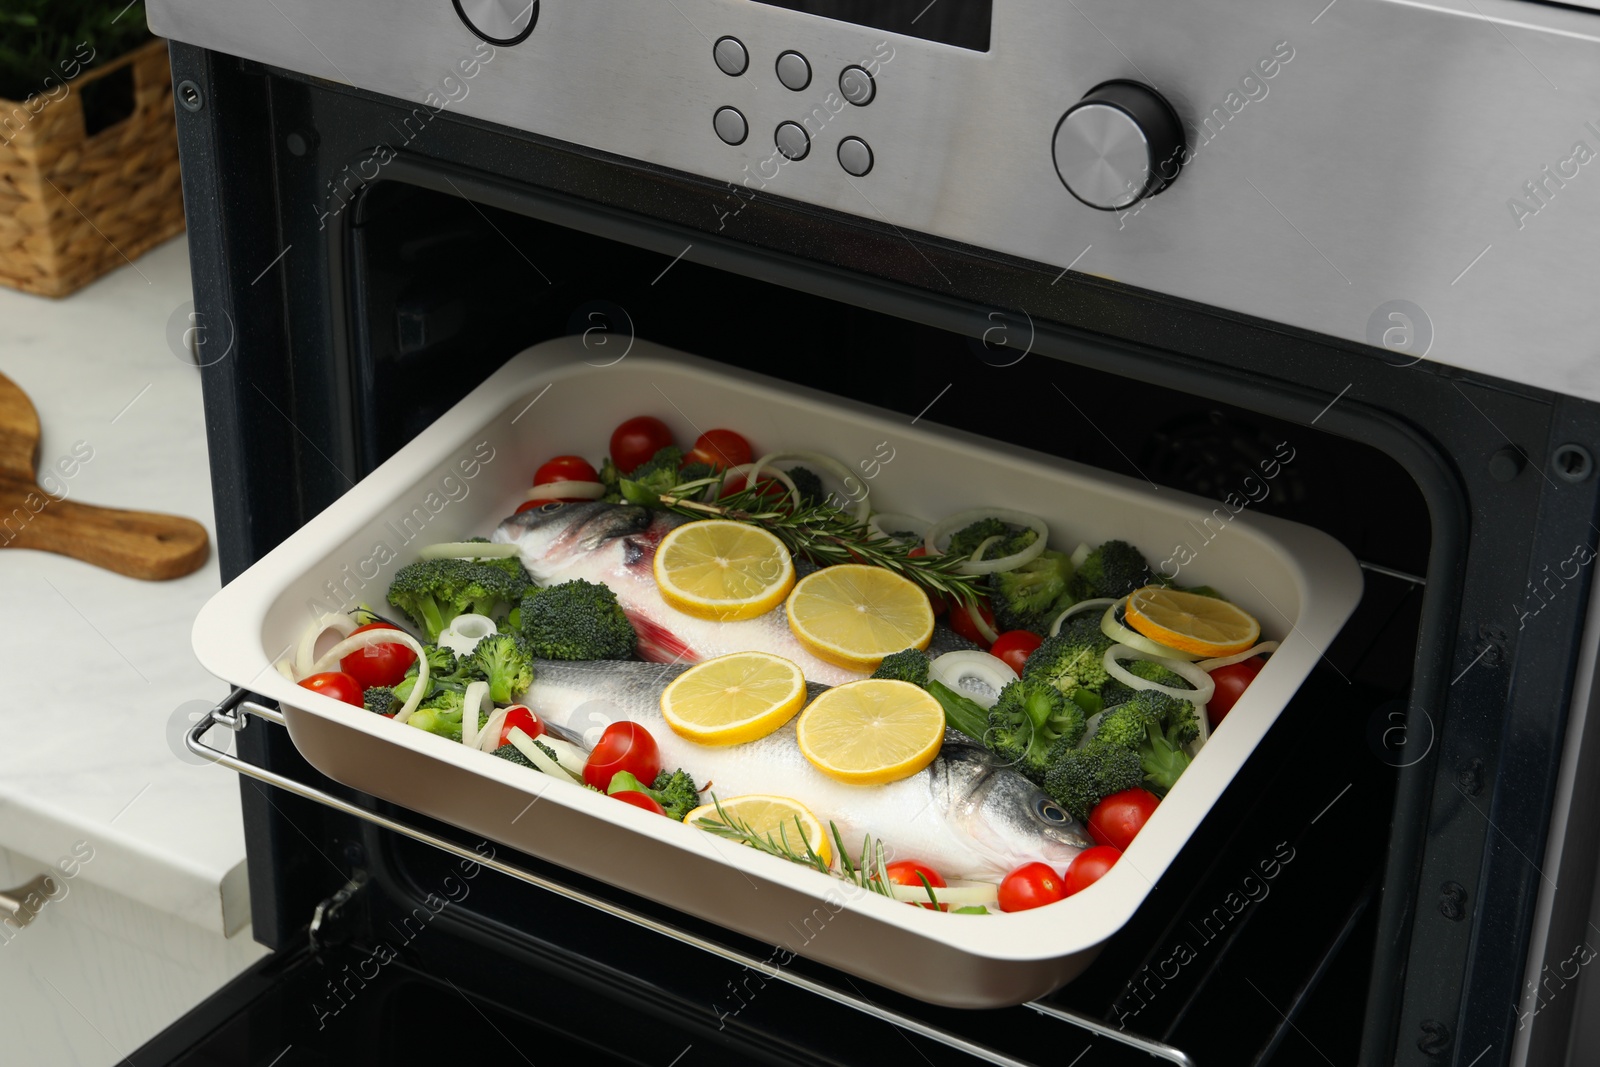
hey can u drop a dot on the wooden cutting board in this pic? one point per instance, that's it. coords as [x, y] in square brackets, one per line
[140, 544]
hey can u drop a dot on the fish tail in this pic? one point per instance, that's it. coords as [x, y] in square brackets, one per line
[657, 644]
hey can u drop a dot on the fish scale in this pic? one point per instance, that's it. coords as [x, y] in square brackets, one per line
[966, 815]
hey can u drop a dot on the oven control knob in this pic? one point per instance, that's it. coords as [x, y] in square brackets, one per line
[502, 22]
[1121, 143]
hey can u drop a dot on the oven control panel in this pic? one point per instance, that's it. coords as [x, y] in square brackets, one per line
[1417, 178]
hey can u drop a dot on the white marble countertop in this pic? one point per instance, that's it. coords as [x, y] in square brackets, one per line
[100, 674]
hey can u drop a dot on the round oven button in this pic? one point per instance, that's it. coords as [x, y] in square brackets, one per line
[730, 125]
[857, 86]
[1121, 143]
[502, 22]
[793, 141]
[794, 71]
[855, 156]
[730, 56]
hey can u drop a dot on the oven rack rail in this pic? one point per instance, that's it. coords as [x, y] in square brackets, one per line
[235, 711]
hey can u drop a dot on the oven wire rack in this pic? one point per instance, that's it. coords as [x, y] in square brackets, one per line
[235, 712]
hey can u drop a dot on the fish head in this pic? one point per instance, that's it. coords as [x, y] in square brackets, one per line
[1003, 815]
[554, 534]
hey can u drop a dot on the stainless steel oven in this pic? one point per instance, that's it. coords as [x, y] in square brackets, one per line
[1157, 240]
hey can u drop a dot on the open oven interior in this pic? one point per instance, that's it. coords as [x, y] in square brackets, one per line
[1351, 895]
[1262, 938]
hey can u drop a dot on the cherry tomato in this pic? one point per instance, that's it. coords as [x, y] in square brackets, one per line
[636, 440]
[377, 664]
[335, 684]
[721, 449]
[1032, 885]
[519, 717]
[961, 621]
[639, 800]
[625, 746]
[904, 872]
[566, 469]
[1014, 647]
[939, 604]
[1088, 868]
[1231, 682]
[1116, 819]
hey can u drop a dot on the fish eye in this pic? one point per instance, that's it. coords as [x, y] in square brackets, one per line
[554, 505]
[1050, 811]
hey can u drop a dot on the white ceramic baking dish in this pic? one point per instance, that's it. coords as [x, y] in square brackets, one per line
[467, 471]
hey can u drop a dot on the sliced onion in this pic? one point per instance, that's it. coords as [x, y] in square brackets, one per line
[538, 757]
[468, 551]
[992, 671]
[566, 752]
[1080, 554]
[944, 527]
[1122, 635]
[471, 706]
[1080, 606]
[1199, 696]
[1227, 661]
[465, 631]
[1091, 728]
[305, 652]
[491, 730]
[367, 638]
[959, 896]
[983, 546]
[883, 521]
[752, 472]
[566, 491]
[979, 624]
[832, 466]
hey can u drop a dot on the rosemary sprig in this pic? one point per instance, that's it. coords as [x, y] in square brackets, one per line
[869, 870]
[827, 535]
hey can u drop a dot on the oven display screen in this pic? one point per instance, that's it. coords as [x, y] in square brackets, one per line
[963, 23]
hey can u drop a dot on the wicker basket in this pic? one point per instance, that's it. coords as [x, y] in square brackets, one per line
[74, 206]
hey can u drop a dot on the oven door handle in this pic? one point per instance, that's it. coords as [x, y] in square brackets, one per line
[235, 713]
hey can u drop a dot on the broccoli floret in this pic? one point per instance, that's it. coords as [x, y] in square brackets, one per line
[1028, 720]
[1029, 597]
[908, 666]
[611, 478]
[675, 791]
[809, 485]
[1079, 778]
[512, 754]
[380, 699]
[1073, 659]
[693, 472]
[1115, 569]
[1156, 727]
[440, 714]
[505, 666]
[444, 672]
[965, 541]
[575, 621]
[434, 591]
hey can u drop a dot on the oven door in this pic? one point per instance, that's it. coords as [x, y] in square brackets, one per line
[1396, 804]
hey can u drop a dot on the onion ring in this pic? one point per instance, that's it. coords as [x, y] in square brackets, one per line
[1122, 635]
[993, 671]
[1227, 661]
[949, 525]
[1199, 696]
[468, 550]
[356, 642]
[567, 491]
[1080, 606]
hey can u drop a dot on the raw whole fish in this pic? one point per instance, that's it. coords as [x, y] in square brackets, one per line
[967, 815]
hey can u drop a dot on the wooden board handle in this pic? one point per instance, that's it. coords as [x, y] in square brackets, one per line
[140, 544]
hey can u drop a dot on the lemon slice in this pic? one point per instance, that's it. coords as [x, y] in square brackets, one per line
[1200, 625]
[723, 570]
[871, 732]
[853, 615]
[785, 823]
[733, 699]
